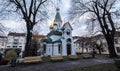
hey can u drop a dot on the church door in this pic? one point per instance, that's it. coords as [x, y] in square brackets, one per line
[68, 49]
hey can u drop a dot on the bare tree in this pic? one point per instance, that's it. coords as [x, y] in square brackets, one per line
[31, 11]
[3, 29]
[102, 9]
[98, 46]
[35, 45]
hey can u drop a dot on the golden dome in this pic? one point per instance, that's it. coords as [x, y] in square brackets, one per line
[55, 23]
[51, 26]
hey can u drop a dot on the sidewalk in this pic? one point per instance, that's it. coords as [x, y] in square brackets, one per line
[58, 66]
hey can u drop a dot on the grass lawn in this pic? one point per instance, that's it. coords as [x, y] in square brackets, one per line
[99, 67]
[46, 59]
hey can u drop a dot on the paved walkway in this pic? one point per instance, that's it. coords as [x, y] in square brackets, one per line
[58, 66]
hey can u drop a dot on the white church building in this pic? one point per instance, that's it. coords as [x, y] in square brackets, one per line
[59, 40]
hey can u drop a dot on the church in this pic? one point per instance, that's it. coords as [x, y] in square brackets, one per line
[59, 40]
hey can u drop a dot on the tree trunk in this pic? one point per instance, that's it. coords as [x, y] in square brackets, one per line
[28, 50]
[111, 47]
[99, 50]
[34, 46]
[108, 34]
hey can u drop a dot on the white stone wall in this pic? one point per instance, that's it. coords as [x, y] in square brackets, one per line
[84, 50]
[52, 49]
[55, 51]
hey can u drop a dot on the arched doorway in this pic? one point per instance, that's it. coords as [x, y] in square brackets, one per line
[68, 49]
[68, 46]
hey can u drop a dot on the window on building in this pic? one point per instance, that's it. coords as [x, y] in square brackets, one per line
[44, 48]
[20, 46]
[59, 48]
[14, 46]
[8, 46]
[15, 43]
[68, 40]
[16, 40]
[118, 49]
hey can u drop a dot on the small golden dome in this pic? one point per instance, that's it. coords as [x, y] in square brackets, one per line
[51, 26]
[55, 23]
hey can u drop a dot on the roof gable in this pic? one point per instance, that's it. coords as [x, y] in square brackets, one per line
[67, 23]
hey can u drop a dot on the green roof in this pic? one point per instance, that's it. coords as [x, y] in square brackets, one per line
[54, 32]
[48, 40]
[58, 17]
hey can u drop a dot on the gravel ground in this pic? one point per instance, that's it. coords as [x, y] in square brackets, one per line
[58, 66]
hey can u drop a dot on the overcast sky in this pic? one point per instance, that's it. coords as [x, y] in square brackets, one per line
[79, 29]
[17, 25]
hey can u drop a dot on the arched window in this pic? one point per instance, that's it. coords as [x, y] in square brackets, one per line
[44, 48]
[59, 48]
[68, 40]
[68, 32]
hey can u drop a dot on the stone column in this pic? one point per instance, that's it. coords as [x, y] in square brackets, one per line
[47, 49]
[56, 49]
[64, 49]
